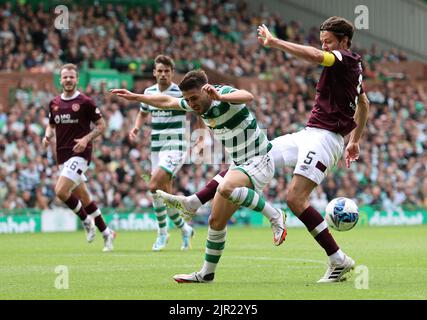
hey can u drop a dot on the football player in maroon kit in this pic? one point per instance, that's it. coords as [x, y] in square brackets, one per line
[70, 117]
[341, 108]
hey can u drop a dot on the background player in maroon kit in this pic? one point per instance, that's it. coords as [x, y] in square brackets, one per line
[340, 107]
[70, 117]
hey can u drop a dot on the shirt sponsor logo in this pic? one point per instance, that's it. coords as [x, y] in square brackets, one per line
[161, 113]
[303, 167]
[216, 112]
[221, 131]
[75, 107]
[65, 119]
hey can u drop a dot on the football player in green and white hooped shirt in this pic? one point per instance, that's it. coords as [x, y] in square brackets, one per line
[167, 149]
[224, 110]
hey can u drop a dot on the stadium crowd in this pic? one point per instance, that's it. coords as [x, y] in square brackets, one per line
[392, 169]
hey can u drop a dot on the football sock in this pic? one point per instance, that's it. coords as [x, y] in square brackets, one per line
[337, 257]
[93, 210]
[208, 192]
[214, 246]
[193, 202]
[249, 198]
[318, 228]
[177, 220]
[106, 232]
[75, 204]
[161, 214]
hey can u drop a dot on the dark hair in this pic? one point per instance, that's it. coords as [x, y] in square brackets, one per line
[69, 66]
[193, 79]
[340, 27]
[167, 61]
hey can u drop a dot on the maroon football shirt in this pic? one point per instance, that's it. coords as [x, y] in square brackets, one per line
[336, 93]
[72, 120]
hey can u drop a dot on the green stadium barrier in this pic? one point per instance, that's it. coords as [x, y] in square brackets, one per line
[368, 216]
[20, 223]
[62, 219]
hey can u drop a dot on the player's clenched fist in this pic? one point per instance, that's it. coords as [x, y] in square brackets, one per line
[45, 142]
[211, 91]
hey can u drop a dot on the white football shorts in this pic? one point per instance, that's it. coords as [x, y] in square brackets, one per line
[259, 169]
[74, 169]
[312, 151]
[170, 161]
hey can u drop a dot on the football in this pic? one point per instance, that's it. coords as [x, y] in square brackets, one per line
[342, 214]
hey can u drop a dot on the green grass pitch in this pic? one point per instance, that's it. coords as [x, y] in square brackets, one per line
[250, 268]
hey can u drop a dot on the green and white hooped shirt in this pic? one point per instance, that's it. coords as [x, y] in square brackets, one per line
[167, 126]
[236, 128]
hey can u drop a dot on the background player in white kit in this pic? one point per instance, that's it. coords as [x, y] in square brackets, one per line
[168, 149]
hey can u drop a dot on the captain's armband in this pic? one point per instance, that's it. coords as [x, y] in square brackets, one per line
[328, 59]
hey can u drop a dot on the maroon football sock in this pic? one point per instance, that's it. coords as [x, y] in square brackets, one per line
[92, 209]
[316, 225]
[208, 192]
[100, 223]
[74, 204]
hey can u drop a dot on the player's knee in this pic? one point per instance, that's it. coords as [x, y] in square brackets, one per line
[154, 186]
[295, 202]
[62, 193]
[225, 189]
[216, 223]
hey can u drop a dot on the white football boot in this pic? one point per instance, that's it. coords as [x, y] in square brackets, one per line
[195, 277]
[279, 228]
[187, 236]
[161, 242]
[108, 241]
[179, 203]
[90, 230]
[338, 272]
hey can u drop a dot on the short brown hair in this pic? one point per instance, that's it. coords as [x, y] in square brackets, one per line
[193, 79]
[69, 66]
[166, 60]
[340, 27]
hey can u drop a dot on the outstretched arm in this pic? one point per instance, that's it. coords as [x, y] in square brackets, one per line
[360, 117]
[157, 100]
[308, 53]
[235, 97]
